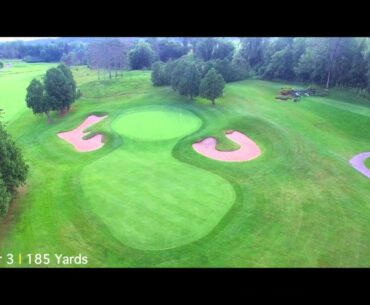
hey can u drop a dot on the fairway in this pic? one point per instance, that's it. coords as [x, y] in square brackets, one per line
[13, 84]
[146, 198]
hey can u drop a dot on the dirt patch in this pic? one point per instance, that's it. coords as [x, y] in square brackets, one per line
[248, 150]
[76, 136]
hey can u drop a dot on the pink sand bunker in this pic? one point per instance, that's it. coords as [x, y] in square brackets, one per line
[358, 162]
[75, 136]
[248, 148]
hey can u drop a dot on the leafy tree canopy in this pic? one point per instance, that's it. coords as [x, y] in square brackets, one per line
[141, 56]
[13, 169]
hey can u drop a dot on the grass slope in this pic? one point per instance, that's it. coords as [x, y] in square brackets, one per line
[299, 204]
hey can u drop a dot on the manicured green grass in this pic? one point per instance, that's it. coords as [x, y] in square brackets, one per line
[159, 202]
[149, 206]
[13, 84]
[141, 203]
[156, 124]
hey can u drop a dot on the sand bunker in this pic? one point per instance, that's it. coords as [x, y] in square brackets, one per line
[358, 162]
[75, 136]
[248, 148]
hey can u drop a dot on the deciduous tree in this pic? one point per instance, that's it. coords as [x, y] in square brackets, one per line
[13, 169]
[57, 90]
[36, 99]
[141, 56]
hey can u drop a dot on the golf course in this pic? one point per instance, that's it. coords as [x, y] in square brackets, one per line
[146, 198]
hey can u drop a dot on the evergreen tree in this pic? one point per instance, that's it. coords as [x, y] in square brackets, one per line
[168, 70]
[224, 68]
[178, 71]
[204, 48]
[212, 86]
[189, 81]
[205, 66]
[158, 77]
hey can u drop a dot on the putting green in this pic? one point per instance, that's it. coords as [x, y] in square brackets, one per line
[156, 123]
[142, 196]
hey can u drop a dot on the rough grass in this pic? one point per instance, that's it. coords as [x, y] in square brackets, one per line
[129, 83]
[300, 204]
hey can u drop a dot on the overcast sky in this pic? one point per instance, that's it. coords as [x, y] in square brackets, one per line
[2, 39]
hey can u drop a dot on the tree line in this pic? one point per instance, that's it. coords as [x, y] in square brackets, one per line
[186, 77]
[53, 51]
[328, 62]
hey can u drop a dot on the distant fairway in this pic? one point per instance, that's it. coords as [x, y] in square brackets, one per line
[13, 84]
[147, 199]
